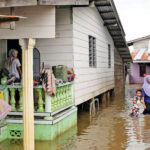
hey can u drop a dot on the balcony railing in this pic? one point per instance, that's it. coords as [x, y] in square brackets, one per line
[43, 103]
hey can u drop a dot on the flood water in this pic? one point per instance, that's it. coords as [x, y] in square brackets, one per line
[111, 129]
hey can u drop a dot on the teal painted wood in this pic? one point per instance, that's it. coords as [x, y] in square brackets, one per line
[48, 103]
[20, 100]
[43, 131]
[3, 133]
[40, 100]
[6, 95]
[12, 99]
[64, 97]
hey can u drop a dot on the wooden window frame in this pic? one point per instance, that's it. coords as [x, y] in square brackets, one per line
[109, 56]
[92, 52]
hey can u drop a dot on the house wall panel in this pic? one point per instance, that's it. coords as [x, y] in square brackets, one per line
[15, 3]
[39, 23]
[119, 73]
[91, 82]
[58, 51]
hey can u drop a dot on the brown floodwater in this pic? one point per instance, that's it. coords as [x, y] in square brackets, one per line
[111, 129]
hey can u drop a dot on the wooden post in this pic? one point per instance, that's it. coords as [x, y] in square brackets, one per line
[27, 85]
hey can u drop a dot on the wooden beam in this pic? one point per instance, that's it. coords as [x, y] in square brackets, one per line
[27, 87]
[116, 37]
[122, 49]
[127, 60]
[12, 24]
[64, 2]
[15, 3]
[104, 9]
[103, 3]
[114, 29]
[110, 22]
[123, 52]
[113, 33]
[125, 56]
[119, 40]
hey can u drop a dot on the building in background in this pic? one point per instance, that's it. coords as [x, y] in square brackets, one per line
[141, 59]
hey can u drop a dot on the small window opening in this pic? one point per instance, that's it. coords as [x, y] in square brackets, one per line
[109, 56]
[92, 52]
[142, 70]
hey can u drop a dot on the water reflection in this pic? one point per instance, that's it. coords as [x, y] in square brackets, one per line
[111, 129]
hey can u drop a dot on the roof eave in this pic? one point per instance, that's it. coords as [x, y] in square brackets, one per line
[109, 14]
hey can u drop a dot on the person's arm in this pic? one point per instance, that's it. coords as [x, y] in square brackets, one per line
[134, 100]
[143, 100]
[18, 65]
[19, 70]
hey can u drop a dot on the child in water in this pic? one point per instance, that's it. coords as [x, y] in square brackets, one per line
[136, 103]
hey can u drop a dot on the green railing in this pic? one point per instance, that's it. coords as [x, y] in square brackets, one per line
[43, 102]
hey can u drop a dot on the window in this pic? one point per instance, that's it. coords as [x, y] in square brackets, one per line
[109, 56]
[92, 51]
[36, 62]
[142, 70]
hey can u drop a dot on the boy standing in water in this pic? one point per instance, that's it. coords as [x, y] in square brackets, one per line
[136, 103]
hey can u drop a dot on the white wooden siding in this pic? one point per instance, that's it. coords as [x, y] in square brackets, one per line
[141, 44]
[91, 82]
[40, 23]
[58, 51]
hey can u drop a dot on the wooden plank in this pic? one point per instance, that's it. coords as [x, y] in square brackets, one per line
[15, 3]
[40, 23]
[5, 25]
[64, 2]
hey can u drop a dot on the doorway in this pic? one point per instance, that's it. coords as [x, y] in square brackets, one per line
[14, 44]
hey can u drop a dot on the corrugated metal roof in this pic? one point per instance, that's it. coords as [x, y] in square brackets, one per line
[140, 55]
[112, 21]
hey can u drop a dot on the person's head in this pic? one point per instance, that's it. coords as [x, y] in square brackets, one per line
[138, 93]
[13, 53]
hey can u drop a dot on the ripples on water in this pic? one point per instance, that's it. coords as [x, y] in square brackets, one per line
[111, 129]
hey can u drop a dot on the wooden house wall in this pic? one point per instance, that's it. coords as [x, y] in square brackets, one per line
[40, 23]
[119, 73]
[16, 3]
[58, 51]
[141, 44]
[91, 82]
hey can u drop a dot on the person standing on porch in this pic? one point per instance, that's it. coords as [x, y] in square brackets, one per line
[146, 95]
[13, 66]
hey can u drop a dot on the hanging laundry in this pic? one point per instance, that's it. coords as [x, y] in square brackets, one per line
[4, 109]
[48, 82]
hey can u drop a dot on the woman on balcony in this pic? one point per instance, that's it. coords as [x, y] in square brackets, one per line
[13, 66]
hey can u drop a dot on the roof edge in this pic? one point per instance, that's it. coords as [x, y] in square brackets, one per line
[130, 43]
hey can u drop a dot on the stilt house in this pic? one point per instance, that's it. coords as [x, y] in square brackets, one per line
[84, 35]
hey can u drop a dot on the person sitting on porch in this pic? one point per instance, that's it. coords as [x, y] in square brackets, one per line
[13, 66]
[146, 95]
